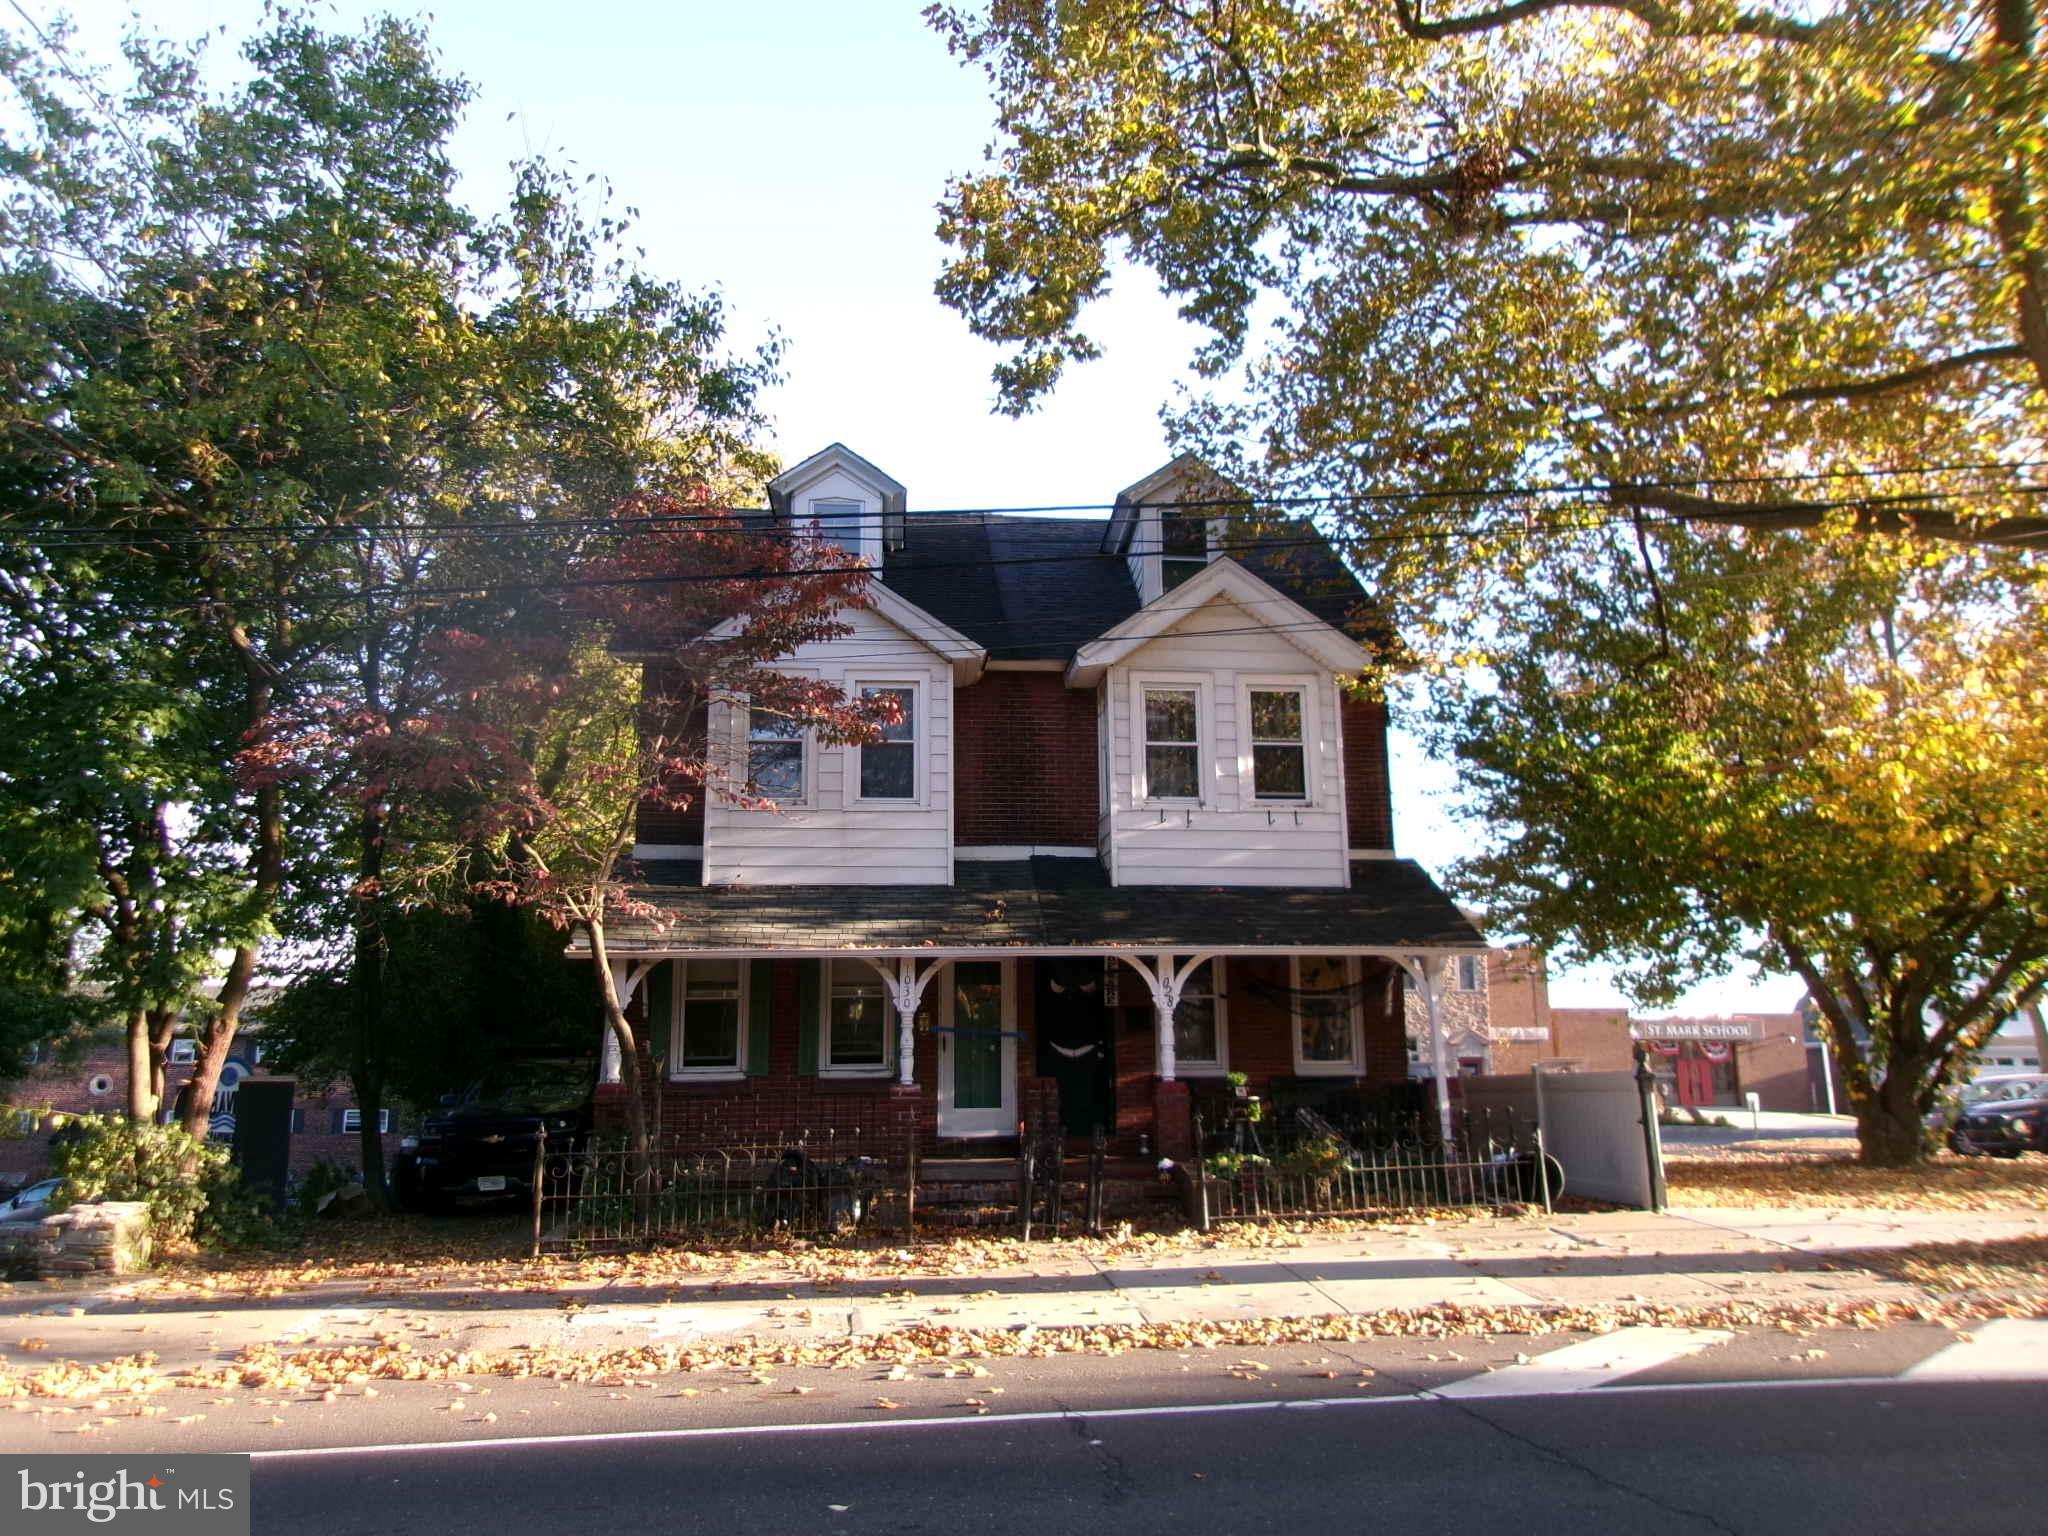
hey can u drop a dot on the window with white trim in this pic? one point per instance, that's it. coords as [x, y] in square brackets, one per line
[1183, 547]
[1328, 1015]
[352, 1122]
[1471, 973]
[1172, 727]
[183, 1053]
[854, 1032]
[775, 757]
[709, 1036]
[840, 522]
[888, 768]
[1201, 1028]
[1279, 739]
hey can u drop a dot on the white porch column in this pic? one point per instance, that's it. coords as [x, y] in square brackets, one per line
[906, 991]
[1166, 982]
[626, 978]
[1424, 970]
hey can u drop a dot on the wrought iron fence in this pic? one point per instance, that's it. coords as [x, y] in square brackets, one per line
[1313, 1165]
[595, 1192]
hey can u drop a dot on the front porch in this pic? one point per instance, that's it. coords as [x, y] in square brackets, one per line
[951, 1019]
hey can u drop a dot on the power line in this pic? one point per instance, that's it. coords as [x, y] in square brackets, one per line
[52, 535]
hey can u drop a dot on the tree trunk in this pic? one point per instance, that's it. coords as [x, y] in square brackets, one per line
[629, 1054]
[143, 1092]
[367, 1057]
[163, 1025]
[1889, 1133]
[216, 1040]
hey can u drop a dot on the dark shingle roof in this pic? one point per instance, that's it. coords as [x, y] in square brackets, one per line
[1039, 588]
[1043, 902]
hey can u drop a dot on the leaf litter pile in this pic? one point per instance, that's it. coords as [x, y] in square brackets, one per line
[1752, 1180]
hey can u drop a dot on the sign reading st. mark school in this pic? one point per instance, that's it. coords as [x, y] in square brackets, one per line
[143, 1495]
[1696, 1029]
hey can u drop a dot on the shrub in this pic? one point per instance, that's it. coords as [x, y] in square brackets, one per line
[118, 1159]
[320, 1181]
[192, 1191]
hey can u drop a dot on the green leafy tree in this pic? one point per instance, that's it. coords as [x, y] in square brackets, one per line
[262, 367]
[1665, 251]
[1826, 759]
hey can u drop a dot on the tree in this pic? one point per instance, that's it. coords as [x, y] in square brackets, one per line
[1720, 259]
[1828, 760]
[591, 698]
[257, 364]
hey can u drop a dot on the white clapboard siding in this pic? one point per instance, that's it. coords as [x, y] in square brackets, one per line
[1231, 838]
[828, 840]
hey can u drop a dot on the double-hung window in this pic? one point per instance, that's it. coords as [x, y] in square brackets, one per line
[888, 767]
[775, 757]
[1173, 742]
[839, 522]
[1201, 1043]
[856, 1022]
[352, 1122]
[1183, 547]
[710, 1002]
[1327, 1013]
[1279, 741]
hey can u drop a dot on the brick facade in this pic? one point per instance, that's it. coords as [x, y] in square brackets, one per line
[1368, 784]
[1025, 769]
[56, 1090]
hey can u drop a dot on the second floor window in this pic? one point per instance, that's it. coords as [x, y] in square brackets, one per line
[775, 757]
[1279, 750]
[888, 768]
[352, 1122]
[184, 1052]
[1173, 744]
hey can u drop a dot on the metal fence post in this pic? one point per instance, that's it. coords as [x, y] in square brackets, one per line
[1653, 1144]
[540, 1147]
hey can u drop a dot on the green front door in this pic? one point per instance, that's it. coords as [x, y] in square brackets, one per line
[977, 1056]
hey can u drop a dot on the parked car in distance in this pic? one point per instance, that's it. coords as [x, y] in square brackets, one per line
[1998, 1126]
[32, 1203]
[1998, 1087]
[480, 1145]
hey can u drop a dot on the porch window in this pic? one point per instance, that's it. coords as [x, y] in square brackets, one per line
[1173, 744]
[888, 768]
[1184, 547]
[775, 757]
[1201, 1042]
[710, 1002]
[1279, 744]
[856, 1022]
[1328, 1005]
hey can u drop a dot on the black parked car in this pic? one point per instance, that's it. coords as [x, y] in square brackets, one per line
[480, 1146]
[2003, 1127]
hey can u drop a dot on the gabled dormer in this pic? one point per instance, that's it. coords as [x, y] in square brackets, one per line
[1172, 524]
[839, 497]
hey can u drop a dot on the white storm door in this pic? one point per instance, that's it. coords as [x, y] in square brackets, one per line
[978, 1049]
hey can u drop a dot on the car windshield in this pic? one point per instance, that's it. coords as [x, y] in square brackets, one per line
[532, 1087]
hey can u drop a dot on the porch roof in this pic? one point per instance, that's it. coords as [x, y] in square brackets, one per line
[1035, 904]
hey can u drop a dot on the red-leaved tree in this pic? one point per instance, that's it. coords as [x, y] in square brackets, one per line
[523, 778]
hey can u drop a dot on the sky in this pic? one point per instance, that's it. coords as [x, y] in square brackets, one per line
[789, 153]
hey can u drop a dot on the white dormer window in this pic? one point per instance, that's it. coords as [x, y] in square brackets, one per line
[1183, 547]
[775, 757]
[849, 525]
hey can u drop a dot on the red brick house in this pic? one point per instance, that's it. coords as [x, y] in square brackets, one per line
[1133, 835]
[324, 1125]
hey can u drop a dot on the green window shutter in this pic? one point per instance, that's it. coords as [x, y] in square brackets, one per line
[660, 987]
[760, 1013]
[809, 982]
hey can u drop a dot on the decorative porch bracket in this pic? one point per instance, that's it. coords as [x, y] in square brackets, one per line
[906, 985]
[1422, 970]
[626, 978]
[1166, 982]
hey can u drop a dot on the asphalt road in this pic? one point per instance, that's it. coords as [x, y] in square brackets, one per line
[1867, 1457]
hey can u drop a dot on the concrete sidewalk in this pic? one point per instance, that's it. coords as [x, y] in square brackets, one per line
[1693, 1258]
